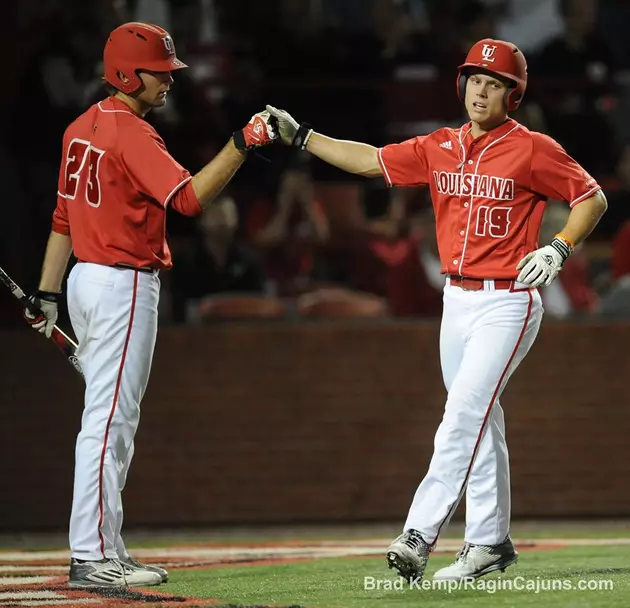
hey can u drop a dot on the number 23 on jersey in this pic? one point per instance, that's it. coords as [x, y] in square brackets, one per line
[82, 168]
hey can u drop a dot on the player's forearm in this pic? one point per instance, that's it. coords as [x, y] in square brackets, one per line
[584, 217]
[56, 259]
[350, 156]
[209, 182]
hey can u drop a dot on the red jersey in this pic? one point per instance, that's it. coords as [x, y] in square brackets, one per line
[115, 181]
[488, 193]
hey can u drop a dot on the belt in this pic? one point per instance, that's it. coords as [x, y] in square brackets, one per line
[147, 269]
[470, 284]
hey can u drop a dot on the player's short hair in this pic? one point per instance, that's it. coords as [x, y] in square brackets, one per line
[474, 70]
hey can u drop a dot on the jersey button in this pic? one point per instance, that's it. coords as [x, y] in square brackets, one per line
[466, 205]
[470, 162]
[455, 262]
[461, 232]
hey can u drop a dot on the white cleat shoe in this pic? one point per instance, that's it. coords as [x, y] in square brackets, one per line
[109, 573]
[409, 554]
[474, 561]
[134, 563]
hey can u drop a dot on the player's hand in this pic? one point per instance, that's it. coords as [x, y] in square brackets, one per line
[539, 268]
[291, 132]
[259, 131]
[46, 316]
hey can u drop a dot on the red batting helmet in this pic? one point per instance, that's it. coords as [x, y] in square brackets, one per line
[499, 57]
[138, 46]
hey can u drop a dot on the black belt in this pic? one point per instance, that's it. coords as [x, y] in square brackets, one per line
[147, 269]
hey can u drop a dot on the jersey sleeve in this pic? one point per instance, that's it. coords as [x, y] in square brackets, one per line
[185, 201]
[150, 167]
[60, 221]
[557, 175]
[405, 164]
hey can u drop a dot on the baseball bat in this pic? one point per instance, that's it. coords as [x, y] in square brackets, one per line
[67, 346]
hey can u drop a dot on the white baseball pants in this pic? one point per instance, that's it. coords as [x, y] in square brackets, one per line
[114, 313]
[484, 337]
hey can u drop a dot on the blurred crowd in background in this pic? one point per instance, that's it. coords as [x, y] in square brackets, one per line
[291, 236]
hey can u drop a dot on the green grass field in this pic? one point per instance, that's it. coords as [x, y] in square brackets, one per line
[341, 583]
[560, 565]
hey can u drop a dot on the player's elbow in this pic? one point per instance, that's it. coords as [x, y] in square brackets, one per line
[370, 165]
[372, 172]
[597, 205]
[601, 204]
[594, 207]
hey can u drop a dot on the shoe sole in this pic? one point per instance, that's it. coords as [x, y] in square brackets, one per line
[494, 567]
[82, 585]
[91, 585]
[405, 570]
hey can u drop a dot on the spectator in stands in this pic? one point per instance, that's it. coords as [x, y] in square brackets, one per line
[619, 205]
[619, 229]
[470, 21]
[414, 281]
[612, 266]
[398, 259]
[375, 241]
[397, 35]
[381, 239]
[290, 232]
[620, 263]
[572, 294]
[578, 67]
[212, 262]
[529, 24]
[51, 91]
[613, 25]
[616, 302]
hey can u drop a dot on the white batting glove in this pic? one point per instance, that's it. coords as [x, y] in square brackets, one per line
[46, 302]
[539, 268]
[291, 132]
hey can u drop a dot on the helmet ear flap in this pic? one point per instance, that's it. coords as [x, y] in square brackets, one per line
[133, 81]
[463, 79]
[513, 98]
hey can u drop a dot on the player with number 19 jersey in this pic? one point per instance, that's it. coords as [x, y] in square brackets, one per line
[116, 206]
[488, 193]
[489, 183]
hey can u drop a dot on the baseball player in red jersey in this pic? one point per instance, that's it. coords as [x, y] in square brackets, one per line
[115, 183]
[489, 182]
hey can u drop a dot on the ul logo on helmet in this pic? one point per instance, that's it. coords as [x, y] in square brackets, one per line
[487, 52]
[168, 43]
